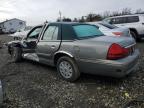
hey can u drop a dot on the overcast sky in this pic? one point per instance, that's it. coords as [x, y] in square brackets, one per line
[38, 11]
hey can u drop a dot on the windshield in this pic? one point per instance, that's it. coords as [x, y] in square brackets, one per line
[108, 25]
[85, 31]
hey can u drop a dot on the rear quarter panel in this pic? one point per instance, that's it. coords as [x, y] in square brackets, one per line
[92, 50]
[86, 53]
[88, 50]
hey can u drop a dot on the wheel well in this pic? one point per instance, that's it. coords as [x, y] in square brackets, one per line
[13, 45]
[57, 56]
[134, 30]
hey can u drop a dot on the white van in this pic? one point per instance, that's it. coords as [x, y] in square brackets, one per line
[134, 22]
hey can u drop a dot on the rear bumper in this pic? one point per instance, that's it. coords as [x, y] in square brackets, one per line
[113, 68]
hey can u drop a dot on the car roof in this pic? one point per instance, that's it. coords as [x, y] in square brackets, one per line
[126, 16]
[67, 23]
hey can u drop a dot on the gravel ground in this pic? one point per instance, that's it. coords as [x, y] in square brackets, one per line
[32, 85]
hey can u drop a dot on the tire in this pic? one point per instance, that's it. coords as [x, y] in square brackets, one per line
[16, 54]
[68, 69]
[135, 36]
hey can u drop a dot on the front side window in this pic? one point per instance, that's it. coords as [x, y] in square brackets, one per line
[35, 33]
[85, 31]
[51, 33]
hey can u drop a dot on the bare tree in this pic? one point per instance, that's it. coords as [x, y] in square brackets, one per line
[82, 19]
[66, 19]
[139, 11]
[90, 17]
[75, 20]
[93, 17]
[106, 14]
[116, 13]
[126, 11]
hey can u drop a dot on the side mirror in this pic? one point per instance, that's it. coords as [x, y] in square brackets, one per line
[32, 44]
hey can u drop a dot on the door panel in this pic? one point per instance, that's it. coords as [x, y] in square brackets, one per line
[49, 43]
[29, 44]
[46, 50]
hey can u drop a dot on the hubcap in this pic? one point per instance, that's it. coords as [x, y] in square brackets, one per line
[65, 69]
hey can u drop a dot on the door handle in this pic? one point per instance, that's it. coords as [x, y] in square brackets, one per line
[53, 46]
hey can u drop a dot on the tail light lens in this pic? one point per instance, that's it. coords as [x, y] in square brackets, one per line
[116, 52]
[118, 33]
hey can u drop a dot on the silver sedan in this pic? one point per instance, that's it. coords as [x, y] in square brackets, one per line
[75, 48]
[112, 30]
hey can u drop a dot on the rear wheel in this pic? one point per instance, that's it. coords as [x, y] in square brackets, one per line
[135, 36]
[68, 69]
[16, 54]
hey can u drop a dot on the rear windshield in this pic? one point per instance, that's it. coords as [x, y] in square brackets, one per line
[108, 25]
[85, 31]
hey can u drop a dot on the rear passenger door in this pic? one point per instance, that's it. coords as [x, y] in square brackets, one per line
[49, 43]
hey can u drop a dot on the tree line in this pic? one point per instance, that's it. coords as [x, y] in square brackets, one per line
[91, 17]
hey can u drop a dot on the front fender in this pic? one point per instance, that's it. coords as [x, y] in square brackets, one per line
[12, 44]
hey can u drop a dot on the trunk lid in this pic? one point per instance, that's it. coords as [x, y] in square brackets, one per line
[123, 41]
[125, 31]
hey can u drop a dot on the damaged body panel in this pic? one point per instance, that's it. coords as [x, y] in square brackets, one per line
[74, 48]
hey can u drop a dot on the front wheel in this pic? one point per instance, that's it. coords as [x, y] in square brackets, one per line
[68, 69]
[16, 54]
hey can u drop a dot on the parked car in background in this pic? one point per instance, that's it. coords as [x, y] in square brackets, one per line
[111, 30]
[134, 22]
[76, 47]
[21, 33]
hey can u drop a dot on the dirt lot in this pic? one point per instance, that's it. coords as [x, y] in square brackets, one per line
[31, 85]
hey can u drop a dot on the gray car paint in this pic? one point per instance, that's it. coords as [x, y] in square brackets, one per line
[89, 54]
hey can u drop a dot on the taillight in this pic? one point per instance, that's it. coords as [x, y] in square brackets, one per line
[118, 33]
[116, 52]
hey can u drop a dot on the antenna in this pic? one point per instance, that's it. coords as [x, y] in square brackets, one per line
[60, 14]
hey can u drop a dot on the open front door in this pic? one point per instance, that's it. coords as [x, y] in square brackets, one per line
[30, 44]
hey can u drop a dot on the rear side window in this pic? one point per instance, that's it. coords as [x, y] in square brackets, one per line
[84, 31]
[51, 33]
[67, 32]
[132, 19]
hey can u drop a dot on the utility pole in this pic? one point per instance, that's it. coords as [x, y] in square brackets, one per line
[60, 15]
